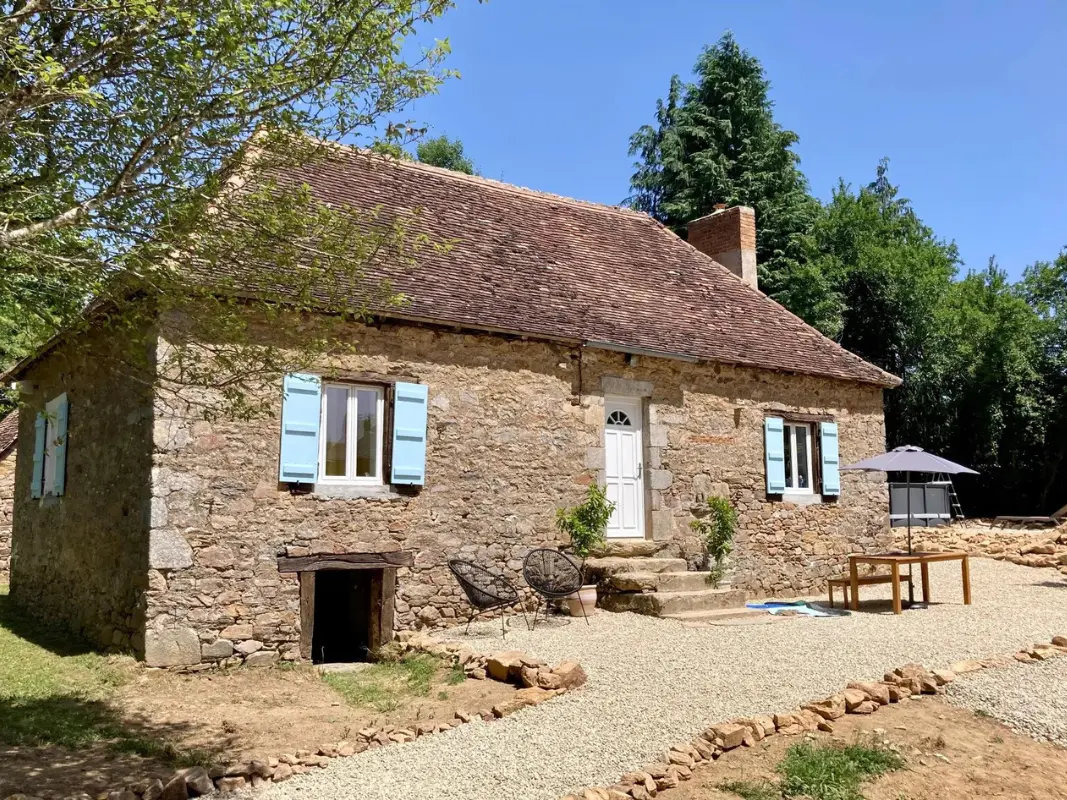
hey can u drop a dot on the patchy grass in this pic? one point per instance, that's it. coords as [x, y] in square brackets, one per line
[388, 685]
[53, 691]
[752, 790]
[820, 772]
[827, 772]
[455, 676]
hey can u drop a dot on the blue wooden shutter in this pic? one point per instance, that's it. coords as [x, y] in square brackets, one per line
[301, 408]
[59, 447]
[831, 461]
[409, 434]
[774, 446]
[37, 482]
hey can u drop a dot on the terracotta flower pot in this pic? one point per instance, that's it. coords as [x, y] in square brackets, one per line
[573, 605]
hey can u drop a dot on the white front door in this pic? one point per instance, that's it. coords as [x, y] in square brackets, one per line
[623, 469]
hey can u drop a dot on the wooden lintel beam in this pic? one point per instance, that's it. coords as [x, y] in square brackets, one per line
[366, 377]
[796, 416]
[398, 558]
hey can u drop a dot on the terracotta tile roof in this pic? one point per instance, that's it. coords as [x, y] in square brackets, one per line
[541, 264]
[9, 431]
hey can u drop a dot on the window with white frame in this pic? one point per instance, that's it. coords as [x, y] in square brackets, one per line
[353, 423]
[798, 447]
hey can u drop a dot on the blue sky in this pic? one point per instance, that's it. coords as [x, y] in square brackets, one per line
[967, 99]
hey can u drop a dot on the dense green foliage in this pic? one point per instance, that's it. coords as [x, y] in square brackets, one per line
[445, 153]
[716, 141]
[586, 523]
[121, 124]
[983, 361]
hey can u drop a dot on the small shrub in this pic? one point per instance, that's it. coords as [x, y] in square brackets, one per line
[716, 531]
[586, 524]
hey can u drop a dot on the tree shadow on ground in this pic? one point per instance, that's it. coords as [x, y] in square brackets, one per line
[70, 744]
[54, 638]
[1052, 584]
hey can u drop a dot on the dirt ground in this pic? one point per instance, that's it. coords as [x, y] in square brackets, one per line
[251, 712]
[226, 716]
[951, 754]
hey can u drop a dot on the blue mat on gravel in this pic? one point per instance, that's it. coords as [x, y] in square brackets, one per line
[801, 607]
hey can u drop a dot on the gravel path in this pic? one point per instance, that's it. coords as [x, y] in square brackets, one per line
[653, 683]
[1028, 697]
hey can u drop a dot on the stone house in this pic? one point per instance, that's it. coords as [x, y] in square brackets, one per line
[9, 426]
[556, 343]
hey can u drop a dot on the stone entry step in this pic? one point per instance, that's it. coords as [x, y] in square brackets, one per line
[599, 568]
[657, 582]
[665, 603]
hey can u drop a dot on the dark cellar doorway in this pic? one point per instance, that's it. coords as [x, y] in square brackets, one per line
[342, 631]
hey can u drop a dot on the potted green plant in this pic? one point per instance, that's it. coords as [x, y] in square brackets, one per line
[716, 531]
[586, 525]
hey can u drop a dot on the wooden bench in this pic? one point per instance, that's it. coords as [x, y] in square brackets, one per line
[864, 580]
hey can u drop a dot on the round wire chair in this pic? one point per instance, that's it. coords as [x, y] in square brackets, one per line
[553, 576]
[485, 590]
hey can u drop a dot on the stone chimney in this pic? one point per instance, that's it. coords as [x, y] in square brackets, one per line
[728, 235]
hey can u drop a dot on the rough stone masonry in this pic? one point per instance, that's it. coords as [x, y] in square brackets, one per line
[7, 501]
[515, 431]
[184, 569]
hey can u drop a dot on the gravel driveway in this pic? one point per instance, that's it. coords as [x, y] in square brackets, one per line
[653, 683]
[1028, 697]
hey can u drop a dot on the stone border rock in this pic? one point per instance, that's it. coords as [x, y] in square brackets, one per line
[679, 762]
[538, 681]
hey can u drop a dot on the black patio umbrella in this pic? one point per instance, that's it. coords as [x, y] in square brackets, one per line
[909, 459]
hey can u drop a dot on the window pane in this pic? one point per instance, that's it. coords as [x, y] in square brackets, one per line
[803, 478]
[336, 431]
[367, 433]
[789, 472]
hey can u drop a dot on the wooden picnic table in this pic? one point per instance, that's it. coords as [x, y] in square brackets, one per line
[894, 560]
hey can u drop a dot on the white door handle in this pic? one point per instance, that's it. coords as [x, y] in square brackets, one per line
[640, 469]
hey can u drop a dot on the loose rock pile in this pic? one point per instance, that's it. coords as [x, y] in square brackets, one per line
[539, 682]
[680, 761]
[1043, 547]
[1043, 652]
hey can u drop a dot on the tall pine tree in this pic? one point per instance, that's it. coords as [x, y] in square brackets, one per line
[716, 141]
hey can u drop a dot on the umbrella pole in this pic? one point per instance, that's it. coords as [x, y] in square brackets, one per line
[911, 585]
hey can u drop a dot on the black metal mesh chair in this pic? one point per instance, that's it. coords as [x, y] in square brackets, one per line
[485, 590]
[553, 576]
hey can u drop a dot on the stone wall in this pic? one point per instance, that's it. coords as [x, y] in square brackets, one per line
[7, 507]
[1030, 545]
[515, 431]
[705, 437]
[81, 559]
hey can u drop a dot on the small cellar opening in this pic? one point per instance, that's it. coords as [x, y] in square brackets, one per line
[343, 610]
[347, 602]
